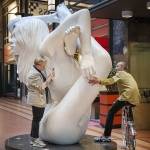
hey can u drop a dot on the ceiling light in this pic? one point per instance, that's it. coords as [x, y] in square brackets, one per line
[148, 5]
[51, 5]
[127, 14]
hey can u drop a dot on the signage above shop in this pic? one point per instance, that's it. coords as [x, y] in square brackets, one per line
[38, 7]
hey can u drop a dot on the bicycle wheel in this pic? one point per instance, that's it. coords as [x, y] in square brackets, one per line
[132, 139]
[125, 130]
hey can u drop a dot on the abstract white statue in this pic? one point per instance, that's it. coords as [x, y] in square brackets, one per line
[66, 120]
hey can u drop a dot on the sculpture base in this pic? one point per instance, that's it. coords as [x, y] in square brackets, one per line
[22, 142]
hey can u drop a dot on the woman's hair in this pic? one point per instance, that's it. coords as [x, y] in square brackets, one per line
[39, 60]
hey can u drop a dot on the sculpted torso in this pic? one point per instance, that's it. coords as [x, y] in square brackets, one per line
[66, 119]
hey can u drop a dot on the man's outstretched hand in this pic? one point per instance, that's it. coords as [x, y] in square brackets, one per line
[94, 80]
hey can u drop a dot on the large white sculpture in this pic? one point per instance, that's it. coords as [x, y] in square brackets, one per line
[66, 119]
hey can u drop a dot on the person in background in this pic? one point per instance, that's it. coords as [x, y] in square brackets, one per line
[128, 95]
[38, 96]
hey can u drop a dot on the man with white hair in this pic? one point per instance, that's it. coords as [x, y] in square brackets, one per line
[129, 95]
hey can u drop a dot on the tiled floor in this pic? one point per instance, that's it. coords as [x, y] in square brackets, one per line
[15, 119]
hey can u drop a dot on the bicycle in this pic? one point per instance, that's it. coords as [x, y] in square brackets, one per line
[129, 133]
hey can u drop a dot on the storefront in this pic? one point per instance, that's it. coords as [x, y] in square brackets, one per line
[10, 85]
[130, 42]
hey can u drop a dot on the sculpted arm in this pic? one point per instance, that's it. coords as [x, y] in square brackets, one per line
[56, 39]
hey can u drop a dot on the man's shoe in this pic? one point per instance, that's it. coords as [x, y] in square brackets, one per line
[102, 139]
[37, 143]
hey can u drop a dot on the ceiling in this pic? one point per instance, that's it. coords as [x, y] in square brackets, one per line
[111, 9]
[80, 4]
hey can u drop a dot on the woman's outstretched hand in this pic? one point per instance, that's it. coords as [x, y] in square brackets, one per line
[50, 78]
